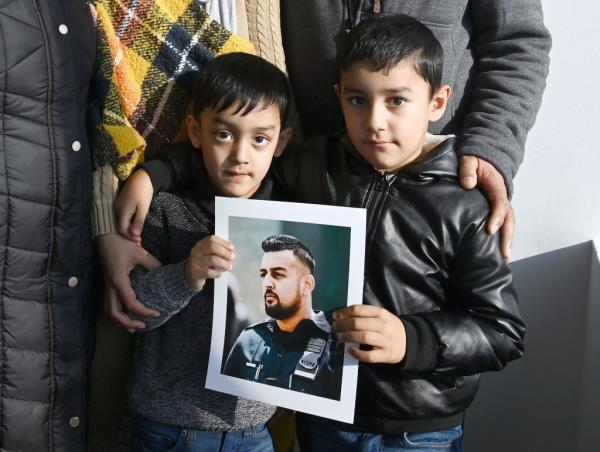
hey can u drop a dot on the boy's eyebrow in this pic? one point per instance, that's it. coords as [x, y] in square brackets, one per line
[223, 122]
[398, 90]
[218, 120]
[266, 128]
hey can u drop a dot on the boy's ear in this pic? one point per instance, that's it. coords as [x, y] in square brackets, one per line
[284, 138]
[193, 127]
[336, 90]
[439, 101]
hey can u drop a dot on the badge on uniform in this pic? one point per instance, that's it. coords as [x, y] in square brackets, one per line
[308, 365]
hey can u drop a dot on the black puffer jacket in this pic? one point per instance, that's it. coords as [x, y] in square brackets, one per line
[430, 261]
[46, 58]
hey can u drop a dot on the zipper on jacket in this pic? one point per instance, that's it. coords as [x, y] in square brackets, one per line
[374, 202]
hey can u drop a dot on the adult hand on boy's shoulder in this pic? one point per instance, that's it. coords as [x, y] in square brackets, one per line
[474, 172]
[118, 256]
[373, 326]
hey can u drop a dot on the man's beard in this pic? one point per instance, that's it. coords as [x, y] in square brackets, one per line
[279, 312]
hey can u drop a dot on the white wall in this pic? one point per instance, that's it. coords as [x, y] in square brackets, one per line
[550, 400]
[557, 189]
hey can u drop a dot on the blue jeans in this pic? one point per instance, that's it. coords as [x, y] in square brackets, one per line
[150, 436]
[318, 434]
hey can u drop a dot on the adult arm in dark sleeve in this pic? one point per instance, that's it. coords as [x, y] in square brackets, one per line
[284, 172]
[171, 169]
[512, 47]
[480, 328]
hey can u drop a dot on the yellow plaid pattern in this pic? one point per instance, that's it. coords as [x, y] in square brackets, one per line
[147, 52]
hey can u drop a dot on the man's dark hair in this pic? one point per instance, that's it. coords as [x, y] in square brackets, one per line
[382, 42]
[241, 78]
[281, 242]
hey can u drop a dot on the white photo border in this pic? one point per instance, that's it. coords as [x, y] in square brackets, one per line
[355, 219]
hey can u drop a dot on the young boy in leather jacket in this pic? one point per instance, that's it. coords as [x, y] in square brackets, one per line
[439, 303]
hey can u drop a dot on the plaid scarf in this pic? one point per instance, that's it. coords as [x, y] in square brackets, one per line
[146, 53]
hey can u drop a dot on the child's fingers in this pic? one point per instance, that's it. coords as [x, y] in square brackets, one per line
[371, 338]
[359, 324]
[357, 310]
[208, 266]
[215, 239]
[213, 273]
[217, 246]
[218, 263]
[212, 248]
[222, 251]
[368, 356]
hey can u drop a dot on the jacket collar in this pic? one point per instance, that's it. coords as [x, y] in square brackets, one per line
[438, 160]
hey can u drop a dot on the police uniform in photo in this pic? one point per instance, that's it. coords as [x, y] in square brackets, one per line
[309, 359]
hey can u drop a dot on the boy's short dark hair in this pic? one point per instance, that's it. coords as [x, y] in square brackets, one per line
[384, 41]
[282, 242]
[241, 78]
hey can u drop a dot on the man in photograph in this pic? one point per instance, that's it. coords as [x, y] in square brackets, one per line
[295, 347]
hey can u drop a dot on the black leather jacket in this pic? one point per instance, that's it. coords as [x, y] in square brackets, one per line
[430, 261]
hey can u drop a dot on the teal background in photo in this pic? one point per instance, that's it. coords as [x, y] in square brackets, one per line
[330, 246]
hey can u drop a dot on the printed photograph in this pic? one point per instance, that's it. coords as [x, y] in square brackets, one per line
[288, 278]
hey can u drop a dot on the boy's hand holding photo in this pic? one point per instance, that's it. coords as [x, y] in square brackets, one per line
[373, 326]
[209, 258]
